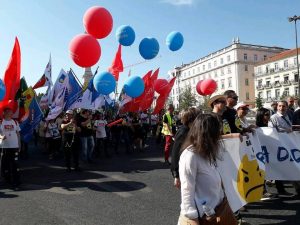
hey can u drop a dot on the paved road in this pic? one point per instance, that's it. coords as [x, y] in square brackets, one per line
[126, 189]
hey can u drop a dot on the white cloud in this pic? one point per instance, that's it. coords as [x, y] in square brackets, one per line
[179, 2]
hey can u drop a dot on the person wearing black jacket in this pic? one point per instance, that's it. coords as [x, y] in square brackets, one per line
[187, 118]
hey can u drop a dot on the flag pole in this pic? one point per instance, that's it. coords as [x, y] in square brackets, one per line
[76, 77]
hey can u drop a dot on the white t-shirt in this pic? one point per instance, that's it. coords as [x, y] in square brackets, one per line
[153, 119]
[200, 181]
[145, 118]
[9, 128]
[100, 128]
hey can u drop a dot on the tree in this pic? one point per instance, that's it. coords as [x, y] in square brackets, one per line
[204, 104]
[258, 102]
[187, 99]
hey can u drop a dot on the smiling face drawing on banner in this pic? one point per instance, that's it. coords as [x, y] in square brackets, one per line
[250, 180]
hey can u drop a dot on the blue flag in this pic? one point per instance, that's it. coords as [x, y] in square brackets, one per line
[95, 94]
[73, 91]
[33, 120]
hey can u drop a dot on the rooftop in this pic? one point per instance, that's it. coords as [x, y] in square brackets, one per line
[282, 55]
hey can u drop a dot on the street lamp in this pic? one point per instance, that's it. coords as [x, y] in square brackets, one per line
[291, 19]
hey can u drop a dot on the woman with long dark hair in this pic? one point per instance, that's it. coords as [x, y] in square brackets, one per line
[187, 118]
[201, 185]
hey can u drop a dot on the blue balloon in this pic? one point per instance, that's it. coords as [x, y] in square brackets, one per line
[2, 90]
[174, 41]
[149, 48]
[134, 86]
[104, 83]
[125, 35]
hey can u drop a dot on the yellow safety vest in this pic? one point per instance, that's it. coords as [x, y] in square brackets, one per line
[165, 130]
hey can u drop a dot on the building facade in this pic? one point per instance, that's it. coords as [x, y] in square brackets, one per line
[277, 77]
[231, 67]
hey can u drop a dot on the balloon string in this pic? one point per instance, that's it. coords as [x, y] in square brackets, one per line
[142, 62]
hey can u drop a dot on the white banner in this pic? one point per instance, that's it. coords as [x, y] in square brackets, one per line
[242, 174]
[267, 154]
[280, 153]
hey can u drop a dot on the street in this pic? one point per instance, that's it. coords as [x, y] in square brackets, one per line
[134, 189]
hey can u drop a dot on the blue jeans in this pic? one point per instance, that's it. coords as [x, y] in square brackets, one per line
[87, 147]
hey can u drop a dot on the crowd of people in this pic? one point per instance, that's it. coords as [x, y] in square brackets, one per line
[196, 150]
[191, 137]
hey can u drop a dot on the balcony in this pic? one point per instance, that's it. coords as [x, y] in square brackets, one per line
[268, 86]
[276, 84]
[286, 83]
[260, 87]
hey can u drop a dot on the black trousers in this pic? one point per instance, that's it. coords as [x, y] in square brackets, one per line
[101, 144]
[10, 170]
[71, 150]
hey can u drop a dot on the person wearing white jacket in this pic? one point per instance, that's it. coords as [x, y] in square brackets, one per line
[200, 180]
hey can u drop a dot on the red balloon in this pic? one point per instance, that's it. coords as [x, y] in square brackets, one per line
[98, 22]
[85, 50]
[161, 85]
[198, 88]
[208, 86]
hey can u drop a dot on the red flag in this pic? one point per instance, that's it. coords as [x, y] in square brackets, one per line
[117, 64]
[46, 79]
[12, 77]
[148, 95]
[155, 75]
[160, 102]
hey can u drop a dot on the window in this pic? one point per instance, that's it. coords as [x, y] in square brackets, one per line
[193, 71]
[259, 84]
[209, 65]
[222, 71]
[177, 98]
[215, 63]
[189, 73]
[285, 64]
[259, 70]
[255, 58]
[229, 69]
[221, 61]
[296, 91]
[203, 67]
[246, 67]
[173, 91]
[286, 79]
[277, 93]
[247, 96]
[265, 57]
[268, 83]
[222, 84]
[259, 94]
[229, 82]
[268, 95]
[176, 90]
[295, 61]
[296, 76]
[245, 57]
[216, 73]
[247, 82]
[184, 75]
[194, 80]
[286, 92]
[228, 58]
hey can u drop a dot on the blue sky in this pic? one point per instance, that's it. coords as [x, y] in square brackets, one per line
[47, 26]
